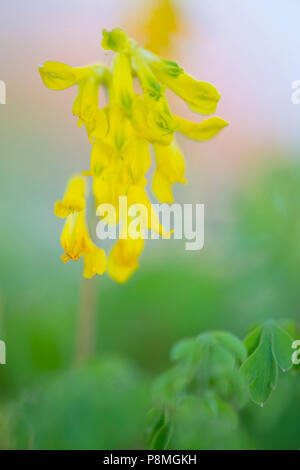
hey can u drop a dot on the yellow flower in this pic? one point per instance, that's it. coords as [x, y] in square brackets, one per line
[74, 198]
[86, 103]
[107, 190]
[120, 134]
[75, 239]
[137, 159]
[201, 97]
[170, 169]
[147, 79]
[120, 128]
[122, 92]
[123, 259]
[97, 127]
[115, 40]
[138, 196]
[101, 157]
[58, 76]
[203, 130]
[153, 121]
[76, 242]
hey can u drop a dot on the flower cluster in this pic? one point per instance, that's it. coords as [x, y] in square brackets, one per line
[120, 133]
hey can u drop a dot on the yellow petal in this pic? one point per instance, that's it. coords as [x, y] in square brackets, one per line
[138, 160]
[76, 243]
[118, 135]
[58, 76]
[152, 120]
[162, 188]
[74, 237]
[100, 157]
[74, 198]
[122, 92]
[94, 262]
[204, 130]
[115, 40]
[100, 128]
[107, 190]
[123, 259]
[170, 169]
[147, 79]
[200, 96]
[161, 66]
[97, 127]
[138, 195]
[86, 103]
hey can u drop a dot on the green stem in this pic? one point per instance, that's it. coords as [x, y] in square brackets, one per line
[86, 328]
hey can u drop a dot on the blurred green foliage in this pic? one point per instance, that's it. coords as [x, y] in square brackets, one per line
[84, 408]
[198, 399]
[249, 272]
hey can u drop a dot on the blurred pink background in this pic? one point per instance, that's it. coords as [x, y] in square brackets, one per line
[249, 50]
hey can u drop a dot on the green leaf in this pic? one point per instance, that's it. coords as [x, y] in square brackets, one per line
[269, 347]
[159, 429]
[252, 340]
[260, 371]
[282, 348]
[184, 349]
[232, 343]
[209, 361]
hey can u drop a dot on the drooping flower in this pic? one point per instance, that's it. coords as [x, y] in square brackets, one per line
[74, 198]
[76, 242]
[170, 169]
[75, 238]
[120, 133]
[58, 76]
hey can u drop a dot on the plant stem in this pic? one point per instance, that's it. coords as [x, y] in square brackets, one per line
[86, 328]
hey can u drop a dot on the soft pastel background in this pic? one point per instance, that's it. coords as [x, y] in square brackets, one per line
[248, 178]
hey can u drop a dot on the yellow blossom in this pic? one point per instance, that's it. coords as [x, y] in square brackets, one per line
[203, 130]
[201, 97]
[122, 91]
[76, 242]
[123, 259]
[170, 169]
[74, 198]
[120, 134]
[86, 103]
[58, 76]
[147, 79]
[153, 121]
[75, 239]
[115, 40]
